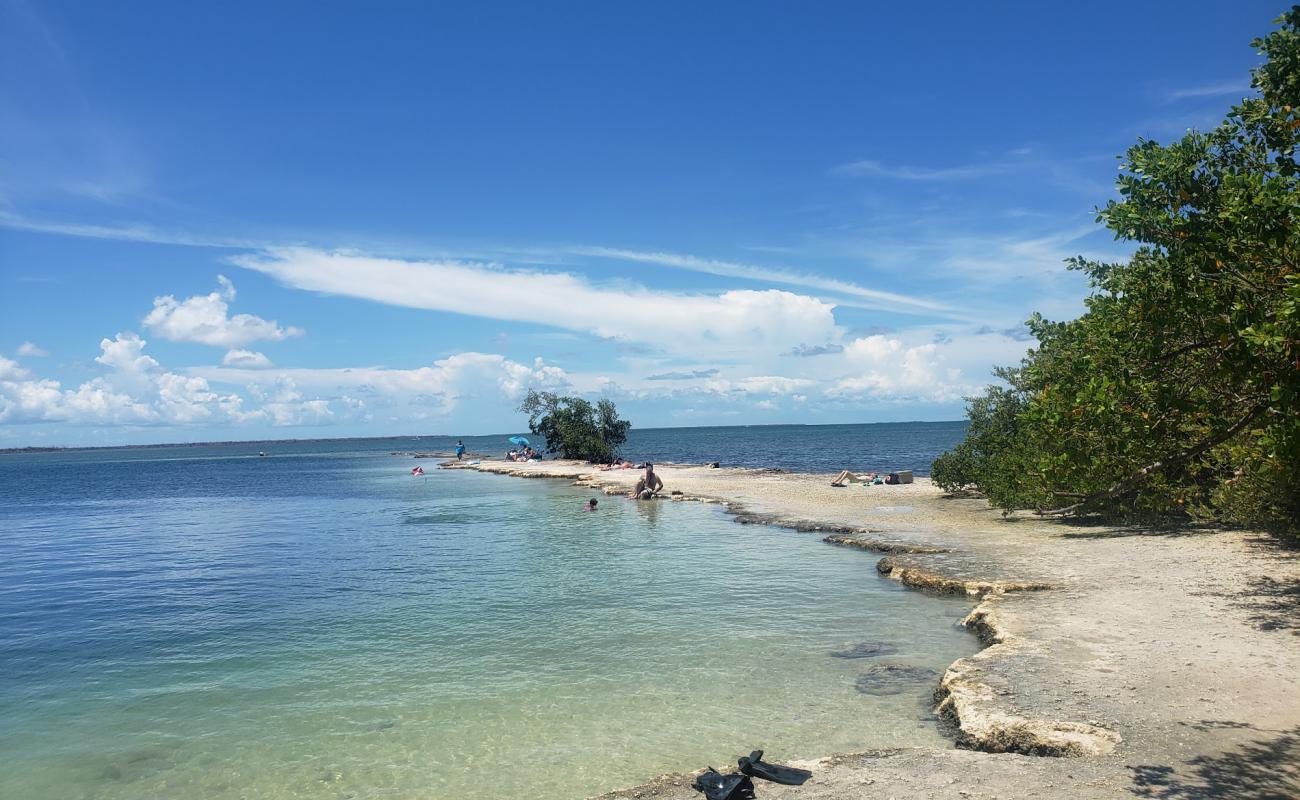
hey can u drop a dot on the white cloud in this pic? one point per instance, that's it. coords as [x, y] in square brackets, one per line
[737, 322]
[206, 319]
[30, 350]
[467, 388]
[248, 359]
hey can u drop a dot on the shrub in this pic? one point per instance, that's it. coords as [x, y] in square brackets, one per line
[575, 428]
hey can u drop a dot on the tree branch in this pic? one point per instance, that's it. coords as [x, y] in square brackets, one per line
[1131, 482]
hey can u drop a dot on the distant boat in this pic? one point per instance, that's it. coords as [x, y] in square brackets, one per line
[261, 452]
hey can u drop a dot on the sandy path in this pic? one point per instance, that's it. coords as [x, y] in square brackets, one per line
[1166, 662]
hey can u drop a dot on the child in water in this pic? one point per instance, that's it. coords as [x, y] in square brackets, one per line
[590, 505]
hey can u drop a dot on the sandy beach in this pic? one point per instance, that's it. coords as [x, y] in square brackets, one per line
[1119, 662]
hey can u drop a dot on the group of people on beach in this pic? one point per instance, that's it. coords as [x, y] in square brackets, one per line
[525, 454]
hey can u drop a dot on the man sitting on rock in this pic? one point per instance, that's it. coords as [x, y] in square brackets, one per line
[648, 486]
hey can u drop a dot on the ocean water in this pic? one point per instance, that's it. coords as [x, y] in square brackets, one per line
[885, 446]
[202, 622]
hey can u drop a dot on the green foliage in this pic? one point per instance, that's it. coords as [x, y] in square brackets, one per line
[574, 428]
[988, 457]
[1177, 390]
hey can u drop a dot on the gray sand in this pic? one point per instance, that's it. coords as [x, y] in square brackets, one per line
[1158, 663]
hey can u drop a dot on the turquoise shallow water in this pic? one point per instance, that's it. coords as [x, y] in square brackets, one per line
[218, 625]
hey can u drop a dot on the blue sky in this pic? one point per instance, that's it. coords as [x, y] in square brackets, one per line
[278, 220]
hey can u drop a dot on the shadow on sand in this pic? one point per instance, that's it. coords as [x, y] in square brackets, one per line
[1102, 528]
[1267, 768]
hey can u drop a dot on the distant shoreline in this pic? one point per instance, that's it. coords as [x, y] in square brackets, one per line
[503, 436]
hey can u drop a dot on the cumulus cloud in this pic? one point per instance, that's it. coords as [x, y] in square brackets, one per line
[463, 376]
[9, 369]
[30, 350]
[733, 321]
[125, 352]
[134, 390]
[246, 358]
[206, 319]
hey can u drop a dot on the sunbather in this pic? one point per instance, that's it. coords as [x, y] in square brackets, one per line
[845, 478]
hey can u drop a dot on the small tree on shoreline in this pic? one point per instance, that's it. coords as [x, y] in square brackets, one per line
[574, 427]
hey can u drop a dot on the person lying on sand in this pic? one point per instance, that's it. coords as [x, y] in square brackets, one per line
[845, 478]
[648, 486]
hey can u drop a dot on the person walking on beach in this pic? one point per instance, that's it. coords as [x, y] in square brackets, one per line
[460, 449]
[648, 486]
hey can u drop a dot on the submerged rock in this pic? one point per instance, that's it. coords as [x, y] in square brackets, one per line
[884, 679]
[865, 650]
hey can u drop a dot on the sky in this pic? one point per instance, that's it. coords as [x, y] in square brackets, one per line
[299, 220]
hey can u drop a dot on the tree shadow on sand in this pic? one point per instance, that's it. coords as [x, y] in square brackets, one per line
[1100, 527]
[1274, 604]
[1264, 769]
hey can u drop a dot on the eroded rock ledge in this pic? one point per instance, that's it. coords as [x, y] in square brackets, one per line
[928, 580]
[971, 708]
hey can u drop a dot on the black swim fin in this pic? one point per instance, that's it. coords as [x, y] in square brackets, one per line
[754, 765]
[717, 786]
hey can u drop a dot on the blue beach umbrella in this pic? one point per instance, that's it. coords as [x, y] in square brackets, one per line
[521, 441]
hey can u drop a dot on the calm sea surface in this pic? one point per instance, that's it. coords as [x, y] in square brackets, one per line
[202, 622]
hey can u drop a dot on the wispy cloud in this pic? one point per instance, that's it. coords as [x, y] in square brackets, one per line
[123, 233]
[683, 376]
[959, 172]
[874, 298]
[1221, 89]
[805, 351]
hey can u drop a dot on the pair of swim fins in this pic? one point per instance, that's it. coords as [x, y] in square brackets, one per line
[754, 766]
[738, 786]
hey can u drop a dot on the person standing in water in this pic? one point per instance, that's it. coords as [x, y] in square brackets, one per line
[648, 486]
[460, 449]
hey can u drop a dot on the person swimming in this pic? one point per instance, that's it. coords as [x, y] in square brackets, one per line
[648, 485]
[590, 505]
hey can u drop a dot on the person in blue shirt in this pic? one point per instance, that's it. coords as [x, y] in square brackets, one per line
[460, 449]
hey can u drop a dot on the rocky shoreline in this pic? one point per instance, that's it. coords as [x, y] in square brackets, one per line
[1159, 663]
